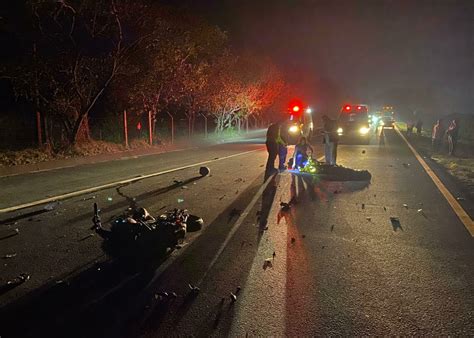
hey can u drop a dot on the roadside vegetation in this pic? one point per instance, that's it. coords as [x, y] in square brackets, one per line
[76, 66]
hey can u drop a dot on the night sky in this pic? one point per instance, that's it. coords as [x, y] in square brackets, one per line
[414, 54]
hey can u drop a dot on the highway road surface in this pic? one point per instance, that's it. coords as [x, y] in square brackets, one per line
[392, 256]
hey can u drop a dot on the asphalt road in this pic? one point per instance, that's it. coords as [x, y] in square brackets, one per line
[334, 264]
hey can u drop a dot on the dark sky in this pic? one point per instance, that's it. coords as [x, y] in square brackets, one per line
[414, 54]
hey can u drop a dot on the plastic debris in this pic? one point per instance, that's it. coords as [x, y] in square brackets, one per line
[184, 187]
[419, 210]
[406, 165]
[109, 199]
[233, 297]
[12, 255]
[204, 171]
[405, 206]
[460, 198]
[51, 206]
[180, 200]
[20, 279]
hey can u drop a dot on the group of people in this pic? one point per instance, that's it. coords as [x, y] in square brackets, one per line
[439, 134]
[277, 146]
[418, 126]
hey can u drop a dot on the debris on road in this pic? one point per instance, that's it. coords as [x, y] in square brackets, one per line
[332, 227]
[363, 205]
[9, 233]
[384, 208]
[20, 279]
[221, 198]
[368, 219]
[110, 199]
[396, 223]
[180, 200]
[285, 207]
[267, 263]
[184, 187]
[86, 237]
[177, 182]
[194, 289]
[235, 212]
[293, 240]
[51, 206]
[204, 171]
[233, 297]
[303, 236]
[405, 206]
[460, 198]
[12, 255]
[363, 151]
[88, 198]
[274, 255]
[406, 165]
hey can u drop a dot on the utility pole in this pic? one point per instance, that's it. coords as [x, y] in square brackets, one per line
[172, 127]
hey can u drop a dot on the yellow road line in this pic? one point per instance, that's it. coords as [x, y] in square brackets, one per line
[115, 184]
[457, 208]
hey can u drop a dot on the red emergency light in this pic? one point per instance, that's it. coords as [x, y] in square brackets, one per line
[359, 107]
[347, 107]
[296, 109]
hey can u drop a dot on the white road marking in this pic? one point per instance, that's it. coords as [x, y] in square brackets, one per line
[117, 183]
[457, 208]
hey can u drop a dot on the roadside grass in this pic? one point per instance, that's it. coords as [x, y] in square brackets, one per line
[84, 149]
[461, 167]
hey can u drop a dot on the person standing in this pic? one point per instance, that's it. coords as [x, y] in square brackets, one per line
[282, 141]
[272, 148]
[436, 136]
[330, 140]
[419, 126]
[452, 133]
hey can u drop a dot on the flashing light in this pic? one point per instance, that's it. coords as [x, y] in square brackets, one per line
[309, 111]
[364, 130]
[347, 107]
[296, 109]
[294, 129]
[359, 107]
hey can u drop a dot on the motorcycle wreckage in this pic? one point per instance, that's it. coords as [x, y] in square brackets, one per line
[137, 232]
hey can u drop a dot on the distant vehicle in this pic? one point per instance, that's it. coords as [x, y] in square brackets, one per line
[353, 123]
[300, 122]
[387, 119]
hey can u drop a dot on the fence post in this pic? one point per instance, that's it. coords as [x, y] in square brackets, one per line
[125, 128]
[172, 127]
[150, 135]
[38, 128]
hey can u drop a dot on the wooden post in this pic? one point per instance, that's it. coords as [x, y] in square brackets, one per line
[38, 128]
[150, 135]
[172, 127]
[247, 125]
[125, 128]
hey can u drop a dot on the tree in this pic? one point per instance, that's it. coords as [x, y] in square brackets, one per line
[75, 49]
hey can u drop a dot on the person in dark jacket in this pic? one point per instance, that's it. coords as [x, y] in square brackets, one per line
[330, 140]
[276, 143]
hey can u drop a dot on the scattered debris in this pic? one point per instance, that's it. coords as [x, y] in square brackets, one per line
[9, 233]
[20, 279]
[285, 206]
[406, 165]
[274, 254]
[88, 198]
[51, 206]
[178, 246]
[109, 199]
[86, 237]
[332, 227]
[396, 223]
[177, 182]
[303, 236]
[12, 255]
[238, 180]
[460, 198]
[363, 151]
[267, 263]
[194, 289]
[184, 187]
[236, 192]
[238, 290]
[233, 297]
[235, 212]
[384, 209]
[368, 219]
[204, 171]
[419, 210]
[293, 240]
[363, 205]
[323, 247]
[220, 198]
[261, 166]
[180, 200]
[405, 206]
[375, 195]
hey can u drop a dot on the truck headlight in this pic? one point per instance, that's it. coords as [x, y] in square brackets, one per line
[364, 130]
[294, 129]
[339, 131]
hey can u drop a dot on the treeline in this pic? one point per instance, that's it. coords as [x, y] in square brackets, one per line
[70, 57]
